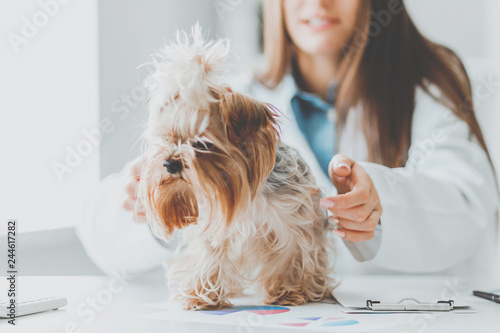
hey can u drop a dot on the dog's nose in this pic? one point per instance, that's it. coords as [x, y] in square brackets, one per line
[172, 166]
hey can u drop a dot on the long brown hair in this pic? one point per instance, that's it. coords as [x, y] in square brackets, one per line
[379, 72]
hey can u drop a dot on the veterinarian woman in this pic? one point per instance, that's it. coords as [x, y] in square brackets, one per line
[416, 188]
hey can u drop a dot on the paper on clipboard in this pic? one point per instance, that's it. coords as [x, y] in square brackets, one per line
[354, 292]
[410, 305]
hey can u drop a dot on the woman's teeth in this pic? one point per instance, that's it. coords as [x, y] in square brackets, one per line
[315, 22]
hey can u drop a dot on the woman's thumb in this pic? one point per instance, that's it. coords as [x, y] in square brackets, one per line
[340, 166]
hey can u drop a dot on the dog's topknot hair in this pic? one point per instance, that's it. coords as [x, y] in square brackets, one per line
[188, 69]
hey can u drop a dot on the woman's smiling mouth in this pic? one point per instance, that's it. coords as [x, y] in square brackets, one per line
[320, 24]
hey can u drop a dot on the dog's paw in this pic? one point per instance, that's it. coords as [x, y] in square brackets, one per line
[199, 304]
[286, 298]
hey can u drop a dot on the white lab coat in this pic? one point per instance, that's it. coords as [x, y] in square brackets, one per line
[440, 211]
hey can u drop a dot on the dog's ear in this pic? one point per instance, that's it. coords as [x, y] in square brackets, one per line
[172, 204]
[251, 126]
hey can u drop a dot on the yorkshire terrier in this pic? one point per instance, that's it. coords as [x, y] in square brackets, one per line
[214, 167]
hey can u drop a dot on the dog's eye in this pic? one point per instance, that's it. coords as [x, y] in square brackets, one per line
[202, 145]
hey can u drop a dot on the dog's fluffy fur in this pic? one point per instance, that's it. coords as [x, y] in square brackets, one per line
[247, 204]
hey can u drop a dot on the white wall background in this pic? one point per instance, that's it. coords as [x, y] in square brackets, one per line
[469, 27]
[48, 96]
[240, 23]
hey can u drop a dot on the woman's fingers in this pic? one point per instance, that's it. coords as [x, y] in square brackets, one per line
[131, 187]
[345, 174]
[340, 166]
[138, 213]
[360, 195]
[356, 207]
[130, 194]
[140, 217]
[357, 213]
[129, 204]
[368, 224]
[354, 236]
[130, 200]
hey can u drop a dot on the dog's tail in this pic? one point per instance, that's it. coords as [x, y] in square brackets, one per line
[188, 69]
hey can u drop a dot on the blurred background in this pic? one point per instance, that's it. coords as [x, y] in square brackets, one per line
[73, 108]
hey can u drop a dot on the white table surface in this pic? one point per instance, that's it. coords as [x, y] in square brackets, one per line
[118, 313]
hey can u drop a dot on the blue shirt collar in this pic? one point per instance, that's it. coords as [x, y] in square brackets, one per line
[317, 101]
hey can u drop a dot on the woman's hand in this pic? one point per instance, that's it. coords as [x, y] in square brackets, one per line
[356, 209]
[130, 191]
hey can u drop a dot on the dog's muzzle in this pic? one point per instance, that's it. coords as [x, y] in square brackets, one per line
[173, 166]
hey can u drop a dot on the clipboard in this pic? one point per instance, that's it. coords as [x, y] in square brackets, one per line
[408, 305]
